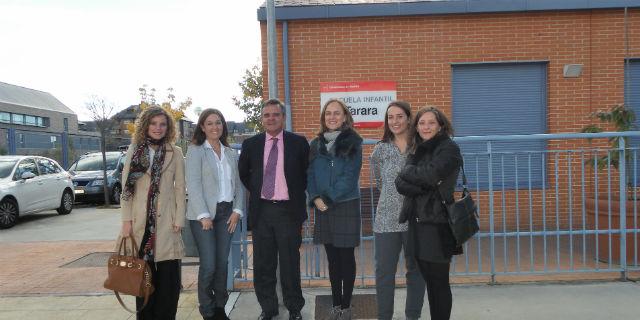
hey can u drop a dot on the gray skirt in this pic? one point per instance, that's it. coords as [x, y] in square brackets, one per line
[339, 225]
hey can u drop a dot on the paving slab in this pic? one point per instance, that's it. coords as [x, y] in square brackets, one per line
[566, 301]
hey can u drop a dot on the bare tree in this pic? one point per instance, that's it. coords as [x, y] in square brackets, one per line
[101, 110]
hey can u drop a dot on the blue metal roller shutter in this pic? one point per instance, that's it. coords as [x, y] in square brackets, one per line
[632, 100]
[632, 89]
[501, 99]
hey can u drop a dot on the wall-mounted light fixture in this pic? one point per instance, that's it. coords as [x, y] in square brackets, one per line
[572, 70]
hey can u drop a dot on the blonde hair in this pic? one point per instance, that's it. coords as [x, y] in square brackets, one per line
[144, 119]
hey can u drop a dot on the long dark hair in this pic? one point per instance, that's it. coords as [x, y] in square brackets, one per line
[443, 121]
[388, 136]
[199, 136]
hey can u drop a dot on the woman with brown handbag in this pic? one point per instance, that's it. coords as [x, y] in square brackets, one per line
[153, 207]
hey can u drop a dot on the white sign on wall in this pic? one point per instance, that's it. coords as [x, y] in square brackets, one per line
[367, 100]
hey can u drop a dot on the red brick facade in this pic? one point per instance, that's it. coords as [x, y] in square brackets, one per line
[417, 53]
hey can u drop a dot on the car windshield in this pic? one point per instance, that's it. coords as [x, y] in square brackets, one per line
[6, 166]
[94, 163]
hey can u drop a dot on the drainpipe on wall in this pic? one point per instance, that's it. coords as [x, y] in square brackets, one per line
[285, 62]
[272, 54]
[272, 49]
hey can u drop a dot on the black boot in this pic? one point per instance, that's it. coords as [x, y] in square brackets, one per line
[220, 314]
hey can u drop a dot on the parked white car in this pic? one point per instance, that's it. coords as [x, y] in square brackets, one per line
[29, 184]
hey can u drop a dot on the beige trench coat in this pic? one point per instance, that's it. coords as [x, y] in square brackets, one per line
[171, 204]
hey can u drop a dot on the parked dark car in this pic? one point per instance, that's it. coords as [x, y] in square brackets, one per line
[88, 178]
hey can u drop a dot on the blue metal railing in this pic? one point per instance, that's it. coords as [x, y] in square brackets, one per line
[545, 211]
[60, 146]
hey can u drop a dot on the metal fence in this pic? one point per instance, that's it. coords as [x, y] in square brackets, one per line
[62, 147]
[549, 211]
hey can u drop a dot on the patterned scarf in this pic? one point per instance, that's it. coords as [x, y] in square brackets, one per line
[139, 165]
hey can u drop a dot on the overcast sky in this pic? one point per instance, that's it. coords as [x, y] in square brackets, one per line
[77, 48]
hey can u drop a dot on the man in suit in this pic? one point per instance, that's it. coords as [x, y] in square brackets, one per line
[273, 167]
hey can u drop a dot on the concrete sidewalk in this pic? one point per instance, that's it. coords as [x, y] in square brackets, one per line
[37, 281]
[607, 300]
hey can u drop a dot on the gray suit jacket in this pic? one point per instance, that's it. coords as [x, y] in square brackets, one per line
[203, 181]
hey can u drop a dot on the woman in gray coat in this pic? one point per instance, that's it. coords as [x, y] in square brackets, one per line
[216, 200]
[387, 159]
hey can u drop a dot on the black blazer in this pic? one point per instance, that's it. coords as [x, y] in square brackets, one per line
[296, 161]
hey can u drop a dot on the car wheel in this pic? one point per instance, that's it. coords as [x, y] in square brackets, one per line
[66, 203]
[8, 213]
[115, 194]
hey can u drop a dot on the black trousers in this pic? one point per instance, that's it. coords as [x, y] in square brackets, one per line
[163, 303]
[342, 274]
[436, 277]
[276, 238]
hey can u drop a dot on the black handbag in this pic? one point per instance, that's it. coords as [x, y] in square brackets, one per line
[462, 214]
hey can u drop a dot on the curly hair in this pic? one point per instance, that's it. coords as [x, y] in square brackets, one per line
[144, 119]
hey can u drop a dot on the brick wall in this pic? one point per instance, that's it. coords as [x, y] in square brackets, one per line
[417, 53]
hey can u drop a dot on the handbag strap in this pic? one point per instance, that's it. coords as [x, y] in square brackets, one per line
[123, 243]
[146, 299]
[147, 293]
[464, 178]
[464, 185]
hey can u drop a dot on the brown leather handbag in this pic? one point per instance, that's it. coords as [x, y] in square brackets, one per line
[128, 274]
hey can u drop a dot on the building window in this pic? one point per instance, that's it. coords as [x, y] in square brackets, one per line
[5, 117]
[21, 140]
[17, 118]
[30, 120]
[66, 125]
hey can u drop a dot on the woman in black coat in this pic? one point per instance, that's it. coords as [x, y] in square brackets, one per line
[434, 164]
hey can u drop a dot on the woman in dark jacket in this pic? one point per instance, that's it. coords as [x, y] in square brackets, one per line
[332, 184]
[433, 165]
